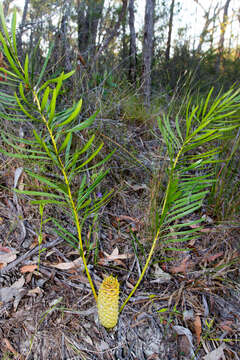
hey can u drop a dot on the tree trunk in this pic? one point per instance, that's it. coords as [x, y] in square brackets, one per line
[169, 31]
[115, 30]
[6, 5]
[132, 48]
[65, 48]
[21, 27]
[208, 21]
[223, 27]
[124, 41]
[89, 13]
[148, 49]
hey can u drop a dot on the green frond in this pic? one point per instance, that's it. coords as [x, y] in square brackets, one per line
[22, 156]
[13, 30]
[83, 195]
[90, 158]
[25, 111]
[44, 67]
[74, 114]
[84, 124]
[58, 187]
[37, 193]
[51, 81]
[50, 202]
[45, 98]
[65, 234]
[21, 149]
[52, 106]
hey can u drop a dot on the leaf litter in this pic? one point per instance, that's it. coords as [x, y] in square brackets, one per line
[194, 289]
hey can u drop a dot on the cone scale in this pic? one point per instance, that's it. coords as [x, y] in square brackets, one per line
[108, 297]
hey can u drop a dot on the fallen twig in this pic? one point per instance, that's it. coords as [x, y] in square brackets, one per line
[28, 254]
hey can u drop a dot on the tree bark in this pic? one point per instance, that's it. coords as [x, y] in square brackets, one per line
[170, 25]
[208, 21]
[132, 48]
[6, 5]
[148, 49]
[223, 27]
[23, 23]
[65, 48]
[89, 13]
[115, 30]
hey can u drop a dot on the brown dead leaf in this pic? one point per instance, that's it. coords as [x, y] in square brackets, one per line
[183, 267]
[11, 348]
[226, 326]
[138, 223]
[198, 328]
[184, 345]
[114, 256]
[28, 268]
[36, 291]
[7, 255]
[77, 263]
[204, 230]
[217, 354]
[211, 258]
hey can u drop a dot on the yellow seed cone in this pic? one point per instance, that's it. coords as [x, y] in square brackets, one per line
[108, 302]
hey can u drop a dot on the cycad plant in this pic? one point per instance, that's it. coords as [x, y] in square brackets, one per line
[192, 150]
[27, 99]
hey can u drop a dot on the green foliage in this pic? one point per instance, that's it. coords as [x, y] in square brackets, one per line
[224, 200]
[191, 167]
[37, 103]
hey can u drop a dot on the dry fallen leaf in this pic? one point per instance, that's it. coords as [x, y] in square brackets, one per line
[77, 263]
[180, 330]
[226, 325]
[8, 293]
[35, 291]
[9, 347]
[198, 328]
[184, 345]
[28, 268]
[114, 256]
[160, 276]
[7, 255]
[183, 267]
[214, 257]
[216, 354]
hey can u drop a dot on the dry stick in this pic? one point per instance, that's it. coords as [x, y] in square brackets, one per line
[30, 253]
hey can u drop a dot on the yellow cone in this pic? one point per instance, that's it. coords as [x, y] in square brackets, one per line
[108, 302]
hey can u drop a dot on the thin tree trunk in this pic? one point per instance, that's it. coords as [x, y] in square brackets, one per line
[148, 49]
[208, 21]
[65, 48]
[6, 5]
[170, 25]
[223, 27]
[132, 48]
[124, 40]
[89, 14]
[115, 30]
[23, 23]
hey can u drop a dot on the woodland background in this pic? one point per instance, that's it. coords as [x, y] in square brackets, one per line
[136, 63]
[148, 45]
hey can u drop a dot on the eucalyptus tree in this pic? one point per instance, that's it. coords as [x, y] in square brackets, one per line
[223, 26]
[132, 47]
[89, 13]
[210, 17]
[21, 27]
[148, 49]
[170, 25]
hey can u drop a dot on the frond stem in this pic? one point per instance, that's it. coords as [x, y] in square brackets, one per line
[77, 222]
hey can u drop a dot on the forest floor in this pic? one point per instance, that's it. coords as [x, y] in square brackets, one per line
[187, 306]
